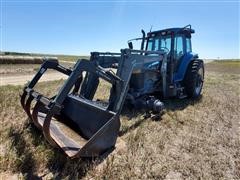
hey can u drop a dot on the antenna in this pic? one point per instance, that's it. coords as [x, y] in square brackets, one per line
[151, 28]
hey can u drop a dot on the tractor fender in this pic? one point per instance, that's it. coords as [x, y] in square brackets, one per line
[182, 68]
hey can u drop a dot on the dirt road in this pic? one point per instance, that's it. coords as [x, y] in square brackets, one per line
[23, 79]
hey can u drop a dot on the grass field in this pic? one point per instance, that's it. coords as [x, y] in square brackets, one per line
[192, 140]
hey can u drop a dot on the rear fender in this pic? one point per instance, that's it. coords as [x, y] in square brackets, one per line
[182, 68]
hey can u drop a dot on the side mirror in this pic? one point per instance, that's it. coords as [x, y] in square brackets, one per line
[130, 45]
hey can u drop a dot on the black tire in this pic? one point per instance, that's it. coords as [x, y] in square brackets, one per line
[194, 78]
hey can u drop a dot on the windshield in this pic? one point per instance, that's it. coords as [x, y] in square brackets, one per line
[159, 43]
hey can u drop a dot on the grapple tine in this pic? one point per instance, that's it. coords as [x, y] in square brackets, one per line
[35, 114]
[46, 128]
[28, 106]
[23, 97]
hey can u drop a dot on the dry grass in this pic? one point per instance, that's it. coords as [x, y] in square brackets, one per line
[193, 140]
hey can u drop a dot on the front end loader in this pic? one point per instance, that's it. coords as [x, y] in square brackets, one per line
[84, 127]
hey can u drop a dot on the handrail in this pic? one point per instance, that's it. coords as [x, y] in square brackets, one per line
[105, 53]
[149, 52]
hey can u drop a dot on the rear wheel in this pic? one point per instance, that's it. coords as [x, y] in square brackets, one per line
[194, 77]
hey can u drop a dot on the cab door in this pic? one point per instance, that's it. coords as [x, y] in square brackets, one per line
[179, 50]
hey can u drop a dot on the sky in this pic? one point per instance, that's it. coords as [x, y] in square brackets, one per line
[78, 27]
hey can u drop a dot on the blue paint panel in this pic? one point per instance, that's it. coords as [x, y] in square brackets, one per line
[188, 57]
[152, 65]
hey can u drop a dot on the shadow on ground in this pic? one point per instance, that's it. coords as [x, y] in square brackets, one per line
[180, 104]
[25, 162]
[58, 164]
[170, 105]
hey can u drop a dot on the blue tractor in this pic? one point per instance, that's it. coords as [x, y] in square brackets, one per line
[184, 69]
[83, 126]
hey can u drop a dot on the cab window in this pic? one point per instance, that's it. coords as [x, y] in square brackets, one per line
[178, 47]
[159, 43]
[188, 45]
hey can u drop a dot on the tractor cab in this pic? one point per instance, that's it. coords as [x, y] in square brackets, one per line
[176, 42]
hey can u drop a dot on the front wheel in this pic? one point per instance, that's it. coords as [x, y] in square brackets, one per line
[194, 78]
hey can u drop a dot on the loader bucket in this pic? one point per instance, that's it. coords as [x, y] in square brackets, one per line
[78, 126]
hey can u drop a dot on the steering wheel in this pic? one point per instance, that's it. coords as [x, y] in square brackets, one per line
[165, 49]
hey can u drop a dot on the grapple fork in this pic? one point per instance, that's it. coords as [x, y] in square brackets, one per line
[93, 130]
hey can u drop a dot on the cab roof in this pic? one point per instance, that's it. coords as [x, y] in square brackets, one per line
[185, 30]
